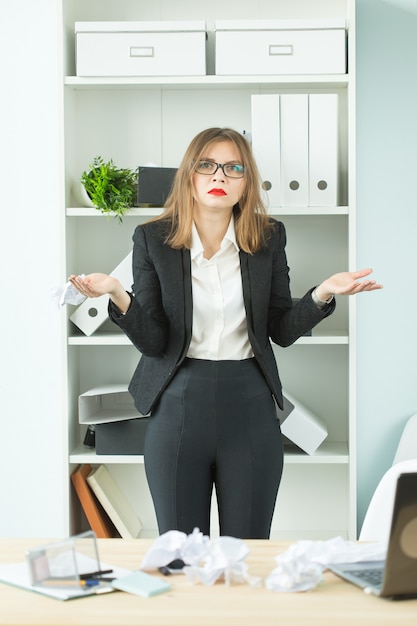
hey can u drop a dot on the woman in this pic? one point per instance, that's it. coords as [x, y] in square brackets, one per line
[211, 289]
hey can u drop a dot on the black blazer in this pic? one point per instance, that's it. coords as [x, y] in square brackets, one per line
[159, 319]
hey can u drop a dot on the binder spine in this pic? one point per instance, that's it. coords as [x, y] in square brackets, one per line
[323, 150]
[294, 149]
[266, 140]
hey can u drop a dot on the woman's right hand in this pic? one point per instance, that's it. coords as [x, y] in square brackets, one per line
[96, 285]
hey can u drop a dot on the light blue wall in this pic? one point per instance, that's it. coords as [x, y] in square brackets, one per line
[386, 231]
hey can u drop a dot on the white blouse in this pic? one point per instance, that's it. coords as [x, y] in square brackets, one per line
[219, 318]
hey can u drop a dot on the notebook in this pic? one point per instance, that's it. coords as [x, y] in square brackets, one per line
[396, 577]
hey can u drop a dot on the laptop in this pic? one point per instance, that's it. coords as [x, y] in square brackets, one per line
[396, 577]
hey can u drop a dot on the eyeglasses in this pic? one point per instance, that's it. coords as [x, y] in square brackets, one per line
[209, 168]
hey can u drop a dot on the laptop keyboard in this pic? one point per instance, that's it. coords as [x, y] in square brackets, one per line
[371, 576]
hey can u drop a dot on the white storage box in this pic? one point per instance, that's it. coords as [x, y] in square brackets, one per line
[110, 403]
[92, 313]
[267, 47]
[140, 48]
[301, 426]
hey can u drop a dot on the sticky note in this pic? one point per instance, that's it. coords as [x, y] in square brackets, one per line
[141, 584]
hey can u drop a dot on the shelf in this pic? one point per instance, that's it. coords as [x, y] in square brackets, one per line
[328, 453]
[100, 339]
[134, 212]
[82, 454]
[119, 339]
[162, 111]
[320, 337]
[153, 211]
[309, 210]
[209, 81]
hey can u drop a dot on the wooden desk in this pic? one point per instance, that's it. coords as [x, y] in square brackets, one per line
[332, 603]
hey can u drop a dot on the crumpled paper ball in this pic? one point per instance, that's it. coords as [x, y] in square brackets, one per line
[225, 559]
[205, 561]
[300, 568]
[67, 294]
[174, 545]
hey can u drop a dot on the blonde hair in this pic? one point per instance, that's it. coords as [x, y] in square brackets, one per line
[252, 224]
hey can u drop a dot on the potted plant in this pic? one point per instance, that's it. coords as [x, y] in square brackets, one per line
[112, 190]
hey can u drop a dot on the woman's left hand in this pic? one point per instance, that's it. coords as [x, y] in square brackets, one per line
[346, 284]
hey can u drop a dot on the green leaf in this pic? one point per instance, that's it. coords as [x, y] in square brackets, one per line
[112, 190]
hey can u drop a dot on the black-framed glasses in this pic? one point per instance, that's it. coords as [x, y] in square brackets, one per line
[209, 168]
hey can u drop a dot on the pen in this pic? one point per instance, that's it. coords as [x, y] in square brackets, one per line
[69, 582]
[174, 567]
[164, 570]
[97, 574]
[91, 582]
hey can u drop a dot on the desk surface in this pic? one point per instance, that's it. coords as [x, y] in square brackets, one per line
[332, 603]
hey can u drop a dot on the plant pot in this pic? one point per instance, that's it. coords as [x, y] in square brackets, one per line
[80, 195]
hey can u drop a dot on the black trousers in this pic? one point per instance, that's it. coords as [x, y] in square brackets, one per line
[215, 425]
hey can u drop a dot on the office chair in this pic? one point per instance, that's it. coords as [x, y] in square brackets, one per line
[407, 447]
[377, 522]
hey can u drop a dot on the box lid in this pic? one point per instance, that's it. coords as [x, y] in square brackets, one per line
[290, 24]
[109, 403]
[104, 390]
[133, 27]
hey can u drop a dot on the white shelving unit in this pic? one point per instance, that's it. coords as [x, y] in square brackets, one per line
[139, 120]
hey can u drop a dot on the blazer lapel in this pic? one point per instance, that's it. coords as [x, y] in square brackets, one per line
[188, 300]
[255, 290]
[246, 286]
[188, 296]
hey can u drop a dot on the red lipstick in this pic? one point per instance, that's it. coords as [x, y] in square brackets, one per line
[217, 192]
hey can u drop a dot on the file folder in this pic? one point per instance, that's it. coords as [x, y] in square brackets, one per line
[294, 150]
[323, 149]
[92, 313]
[266, 144]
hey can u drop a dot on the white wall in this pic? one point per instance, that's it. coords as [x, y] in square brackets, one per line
[31, 373]
[386, 231]
[32, 440]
